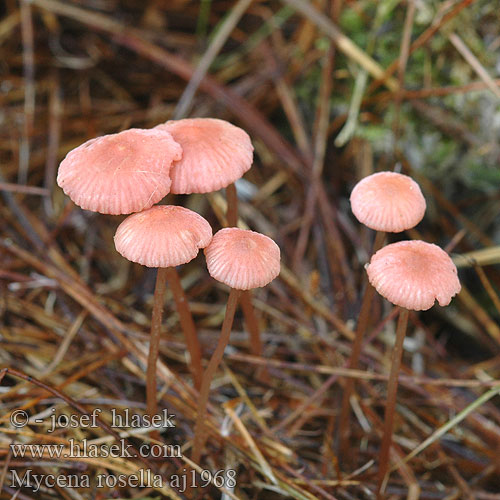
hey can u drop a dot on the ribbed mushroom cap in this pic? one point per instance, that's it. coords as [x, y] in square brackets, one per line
[162, 236]
[120, 173]
[242, 259]
[215, 154]
[413, 274]
[387, 201]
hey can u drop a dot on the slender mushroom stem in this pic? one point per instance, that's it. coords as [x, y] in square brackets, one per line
[363, 321]
[232, 206]
[154, 341]
[392, 389]
[251, 322]
[246, 296]
[199, 430]
[187, 324]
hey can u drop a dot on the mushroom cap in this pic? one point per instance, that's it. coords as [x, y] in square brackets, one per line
[387, 201]
[413, 274]
[215, 154]
[162, 236]
[242, 259]
[120, 173]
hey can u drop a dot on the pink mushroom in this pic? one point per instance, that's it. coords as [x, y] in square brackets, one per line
[388, 201]
[411, 275]
[162, 236]
[120, 173]
[165, 236]
[242, 260]
[216, 153]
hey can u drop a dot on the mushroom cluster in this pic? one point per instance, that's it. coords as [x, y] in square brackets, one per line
[386, 202]
[128, 173]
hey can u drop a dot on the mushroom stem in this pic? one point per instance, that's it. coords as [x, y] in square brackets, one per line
[187, 324]
[246, 296]
[232, 206]
[199, 430]
[392, 389]
[154, 341]
[251, 322]
[363, 321]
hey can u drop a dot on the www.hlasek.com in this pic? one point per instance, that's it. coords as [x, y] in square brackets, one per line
[84, 449]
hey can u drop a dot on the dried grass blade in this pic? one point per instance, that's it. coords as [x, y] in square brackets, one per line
[450, 424]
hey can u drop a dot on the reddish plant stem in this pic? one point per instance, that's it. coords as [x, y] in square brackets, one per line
[200, 435]
[246, 296]
[392, 390]
[363, 321]
[188, 326]
[154, 341]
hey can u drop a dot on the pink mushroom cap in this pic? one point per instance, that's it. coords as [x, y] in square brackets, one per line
[387, 201]
[162, 236]
[120, 173]
[242, 259]
[216, 153]
[414, 274]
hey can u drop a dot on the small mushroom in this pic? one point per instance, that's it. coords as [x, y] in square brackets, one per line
[162, 236]
[165, 236]
[414, 274]
[388, 201]
[411, 275]
[215, 154]
[242, 260]
[120, 173]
